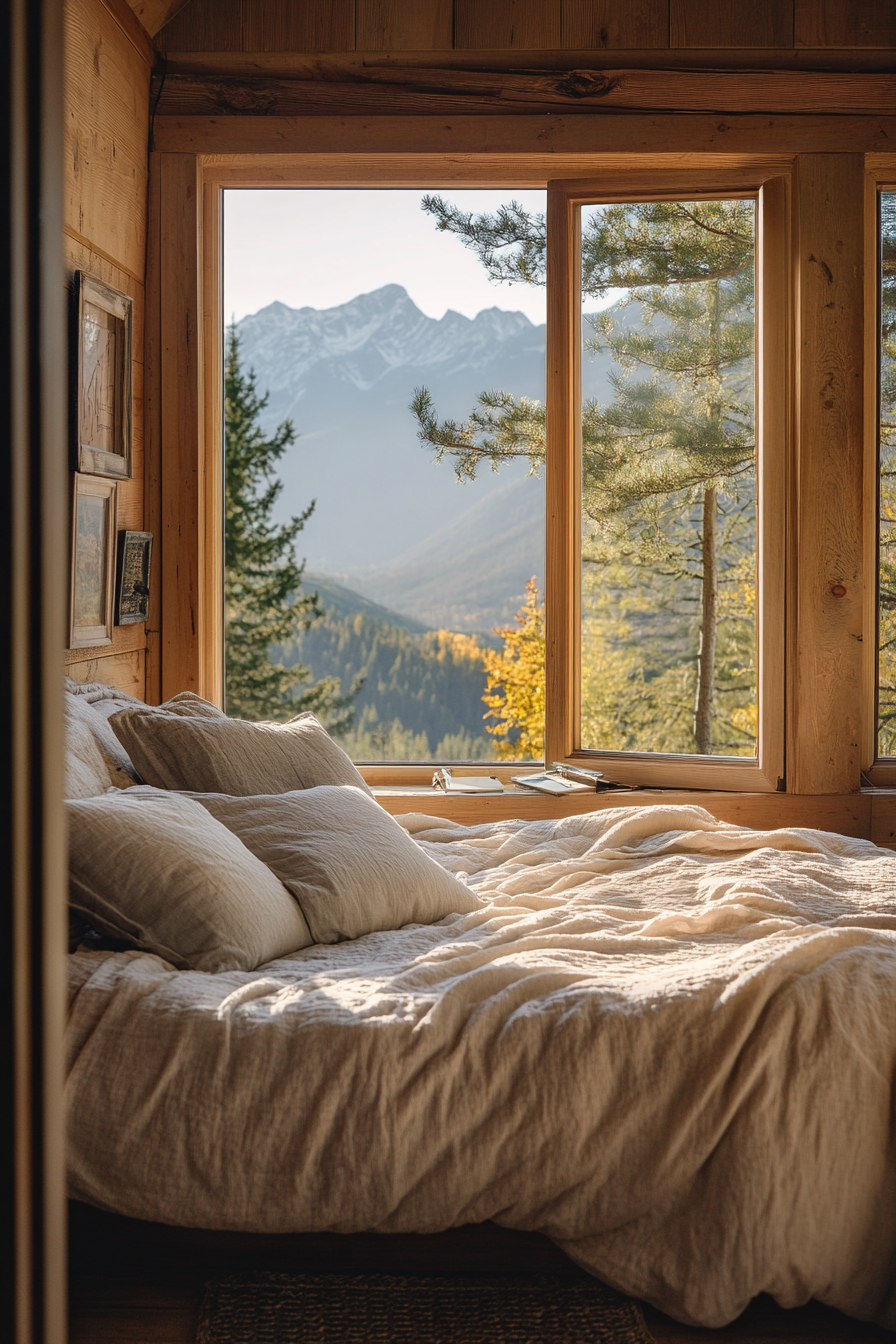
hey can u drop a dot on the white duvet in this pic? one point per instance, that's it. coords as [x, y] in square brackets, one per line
[666, 1042]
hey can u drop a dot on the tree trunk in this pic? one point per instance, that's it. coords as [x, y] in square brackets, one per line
[706, 658]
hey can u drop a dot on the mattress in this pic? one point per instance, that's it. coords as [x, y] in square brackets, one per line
[664, 1041]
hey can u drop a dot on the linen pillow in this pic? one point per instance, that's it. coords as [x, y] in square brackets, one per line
[190, 705]
[221, 755]
[89, 705]
[163, 874]
[350, 866]
[87, 772]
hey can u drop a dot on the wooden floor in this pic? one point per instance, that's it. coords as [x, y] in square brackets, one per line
[137, 1283]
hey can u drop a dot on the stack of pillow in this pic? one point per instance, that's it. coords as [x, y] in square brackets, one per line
[245, 841]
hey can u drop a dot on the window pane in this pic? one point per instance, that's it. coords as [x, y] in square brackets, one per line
[344, 304]
[669, 478]
[886, 743]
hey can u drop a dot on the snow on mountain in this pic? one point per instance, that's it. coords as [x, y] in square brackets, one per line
[345, 377]
[374, 334]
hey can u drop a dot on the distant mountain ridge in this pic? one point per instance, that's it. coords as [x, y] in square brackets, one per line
[385, 512]
[374, 334]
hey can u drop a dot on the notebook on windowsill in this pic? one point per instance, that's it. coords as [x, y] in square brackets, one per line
[449, 783]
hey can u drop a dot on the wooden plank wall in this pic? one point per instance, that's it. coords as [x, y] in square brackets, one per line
[527, 25]
[107, 69]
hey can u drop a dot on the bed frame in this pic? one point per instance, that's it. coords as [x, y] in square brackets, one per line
[119, 1244]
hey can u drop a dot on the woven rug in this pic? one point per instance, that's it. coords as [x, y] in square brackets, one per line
[387, 1309]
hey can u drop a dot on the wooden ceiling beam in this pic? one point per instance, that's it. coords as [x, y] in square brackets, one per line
[386, 92]
[333, 65]
[592, 133]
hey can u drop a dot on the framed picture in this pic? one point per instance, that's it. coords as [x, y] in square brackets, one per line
[101, 408]
[93, 561]
[132, 583]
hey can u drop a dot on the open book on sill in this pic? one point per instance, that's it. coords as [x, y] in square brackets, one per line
[564, 779]
[449, 783]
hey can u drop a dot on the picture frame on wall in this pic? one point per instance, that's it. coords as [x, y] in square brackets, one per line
[93, 561]
[132, 581]
[102, 421]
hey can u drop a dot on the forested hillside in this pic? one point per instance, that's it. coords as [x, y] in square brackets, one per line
[422, 692]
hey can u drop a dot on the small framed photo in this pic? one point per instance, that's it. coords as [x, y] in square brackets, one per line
[132, 583]
[93, 561]
[101, 419]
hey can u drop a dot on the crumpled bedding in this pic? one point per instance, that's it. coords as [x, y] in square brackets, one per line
[665, 1041]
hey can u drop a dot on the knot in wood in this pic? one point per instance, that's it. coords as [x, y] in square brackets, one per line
[837, 590]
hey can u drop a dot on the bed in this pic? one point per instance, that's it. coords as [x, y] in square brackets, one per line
[664, 1041]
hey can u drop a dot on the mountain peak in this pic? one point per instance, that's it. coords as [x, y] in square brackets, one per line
[373, 334]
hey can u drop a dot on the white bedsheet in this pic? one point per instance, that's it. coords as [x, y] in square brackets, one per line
[666, 1042]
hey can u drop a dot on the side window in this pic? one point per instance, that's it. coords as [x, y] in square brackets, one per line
[666, 451]
[668, 478]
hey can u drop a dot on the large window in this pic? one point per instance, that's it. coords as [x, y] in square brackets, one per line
[353, 322]
[664, 450]
[667, 462]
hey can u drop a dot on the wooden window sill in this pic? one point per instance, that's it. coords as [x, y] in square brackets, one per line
[869, 815]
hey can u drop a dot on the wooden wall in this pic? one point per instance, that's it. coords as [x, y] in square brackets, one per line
[107, 70]
[527, 25]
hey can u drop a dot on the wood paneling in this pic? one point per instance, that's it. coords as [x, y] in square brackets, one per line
[510, 24]
[607, 24]
[826, 647]
[513, 25]
[203, 26]
[133, 30]
[125, 671]
[391, 25]
[727, 23]
[844, 23]
[106, 130]
[883, 819]
[154, 14]
[391, 91]
[314, 25]
[106, 112]
[261, 25]
[524, 135]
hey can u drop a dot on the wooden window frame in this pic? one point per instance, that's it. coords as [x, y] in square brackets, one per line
[824, 706]
[879, 771]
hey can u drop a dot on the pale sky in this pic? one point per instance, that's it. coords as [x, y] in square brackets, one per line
[320, 248]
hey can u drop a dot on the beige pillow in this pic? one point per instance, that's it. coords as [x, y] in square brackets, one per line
[164, 875]
[190, 705]
[87, 771]
[221, 755]
[350, 865]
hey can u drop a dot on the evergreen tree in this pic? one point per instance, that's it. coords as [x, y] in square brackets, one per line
[668, 477]
[263, 602]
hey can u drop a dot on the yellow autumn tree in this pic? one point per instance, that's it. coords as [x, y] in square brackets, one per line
[514, 692]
